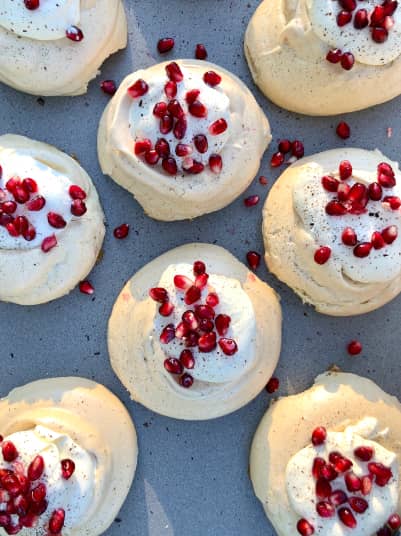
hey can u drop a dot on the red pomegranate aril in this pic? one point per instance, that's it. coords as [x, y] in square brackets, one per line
[175, 109]
[222, 324]
[199, 268]
[343, 191]
[166, 309]
[9, 451]
[358, 504]
[349, 237]
[272, 385]
[277, 159]
[389, 234]
[322, 255]
[196, 167]
[86, 288]
[187, 359]
[393, 201]
[168, 334]
[325, 509]
[200, 52]
[190, 319]
[67, 468]
[180, 128]
[352, 482]
[30, 233]
[38, 508]
[366, 485]
[30, 185]
[362, 250]
[21, 505]
[160, 109]
[12, 183]
[384, 531]
[212, 299]
[361, 19]
[165, 44]
[182, 330]
[36, 203]
[158, 294]
[138, 89]
[328, 472]
[345, 169]
[215, 163]
[343, 18]
[109, 87]
[347, 62]
[211, 78]
[56, 220]
[305, 528]
[253, 259]
[335, 208]
[12, 230]
[319, 435]
[162, 147]
[166, 124]
[76, 192]
[228, 346]
[78, 208]
[192, 295]
[343, 130]
[330, 183]
[182, 282]
[32, 4]
[385, 168]
[169, 165]
[382, 473]
[192, 95]
[142, 147]
[11, 483]
[334, 456]
[389, 7]
[375, 191]
[173, 366]
[36, 468]
[348, 5]
[186, 381]
[297, 149]
[121, 231]
[201, 143]
[152, 157]
[334, 55]
[174, 72]
[20, 195]
[206, 325]
[284, 146]
[318, 464]
[358, 193]
[347, 517]
[29, 520]
[5, 519]
[251, 201]
[197, 109]
[323, 488]
[338, 497]
[9, 207]
[218, 127]
[377, 240]
[387, 181]
[377, 16]
[74, 33]
[56, 522]
[207, 343]
[394, 521]
[48, 243]
[354, 348]
[183, 150]
[342, 465]
[204, 311]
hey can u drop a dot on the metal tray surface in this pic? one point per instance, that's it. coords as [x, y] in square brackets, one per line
[192, 477]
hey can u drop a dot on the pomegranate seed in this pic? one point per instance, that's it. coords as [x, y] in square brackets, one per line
[394, 521]
[322, 255]
[78, 207]
[121, 231]
[319, 435]
[338, 497]
[152, 157]
[377, 240]
[190, 319]
[251, 201]
[175, 109]
[347, 517]
[55, 220]
[173, 366]
[211, 78]
[377, 16]
[183, 150]
[201, 143]
[5, 519]
[36, 203]
[297, 149]
[218, 127]
[138, 89]
[36, 468]
[343, 130]
[197, 109]
[31, 4]
[385, 169]
[12, 230]
[215, 163]
[21, 224]
[348, 5]
[382, 473]
[284, 146]
[29, 520]
[30, 233]
[349, 237]
[343, 191]
[196, 167]
[384, 531]
[9, 207]
[375, 191]
[165, 44]
[330, 183]
[20, 195]
[199, 268]
[323, 488]
[358, 193]
[361, 19]
[174, 72]
[67, 468]
[272, 385]
[389, 234]
[182, 330]
[277, 159]
[142, 146]
[387, 181]
[379, 35]
[169, 165]
[334, 55]
[11, 184]
[76, 192]
[187, 359]
[201, 281]
[9, 451]
[168, 334]
[166, 124]
[393, 201]
[318, 465]
[345, 170]
[39, 508]
[325, 509]
[192, 295]
[212, 299]
[182, 282]
[109, 87]
[335, 208]
[352, 482]
[11, 484]
[342, 465]
[366, 485]
[253, 259]
[160, 109]
[362, 250]
[192, 95]
[30, 185]
[166, 309]
[21, 505]
[158, 294]
[74, 33]
[222, 323]
[200, 52]
[305, 528]
[343, 18]
[86, 288]
[358, 504]
[207, 343]
[180, 128]
[56, 522]
[186, 380]
[228, 346]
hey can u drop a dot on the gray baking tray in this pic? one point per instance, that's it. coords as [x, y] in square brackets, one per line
[192, 478]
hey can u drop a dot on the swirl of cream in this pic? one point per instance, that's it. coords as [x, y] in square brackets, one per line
[222, 383]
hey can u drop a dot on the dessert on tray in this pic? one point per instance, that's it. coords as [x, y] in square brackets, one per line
[185, 138]
[194, 334]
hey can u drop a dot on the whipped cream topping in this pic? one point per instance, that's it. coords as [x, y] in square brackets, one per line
[323, 20]
[214, 366]
[300, 483]
[310, 200]
[144, 124]
[46, 23]
[74, 495]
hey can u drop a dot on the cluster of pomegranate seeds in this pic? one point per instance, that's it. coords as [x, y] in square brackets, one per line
[343, 130]
[354, 348]
[296, 148]
[121, 231]
[109, 87]
[165, 44]
[346, 59]
[23, 194]
[172, 117]
[354, 200]
[331, 502]
[23, 495]
[272, 385]
[199, 327]
[200, 52]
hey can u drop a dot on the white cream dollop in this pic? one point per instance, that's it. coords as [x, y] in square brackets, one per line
[52, 185]
[323, 15]
[143, 124]
[310, 200]
[74, 495]
[300, 483]
[215, 366]
[46, 23]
